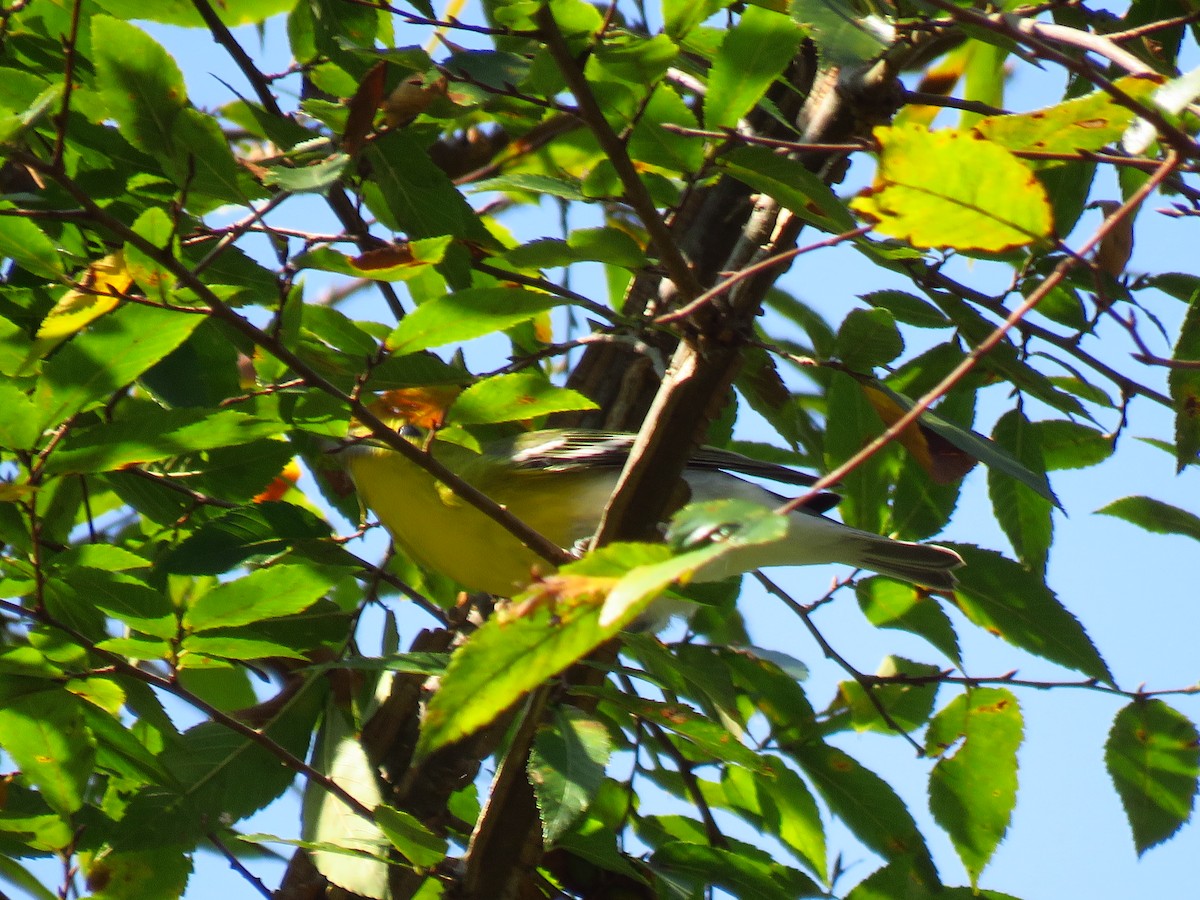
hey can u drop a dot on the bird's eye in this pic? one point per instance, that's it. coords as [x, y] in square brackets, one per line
[410, 431]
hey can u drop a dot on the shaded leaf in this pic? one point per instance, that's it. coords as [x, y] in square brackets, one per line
[868, 338]
[864, 801]
[1024, 514]
[220, 544]
[894, 604]
[1185, 388]
[1008, 600]
[566, 769]
[408, 834]
[1155, 516]
[908, 705]
[1153, 757]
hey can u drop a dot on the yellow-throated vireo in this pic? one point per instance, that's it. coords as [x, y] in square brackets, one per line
[558, 483]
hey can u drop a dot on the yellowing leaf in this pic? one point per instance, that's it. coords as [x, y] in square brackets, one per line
[99, 293]
[1086, 123]
[954, 189]
[424, 407]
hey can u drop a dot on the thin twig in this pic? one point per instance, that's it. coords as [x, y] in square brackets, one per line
[686, 771]
[762, 265]
[222, 36]
[64, 113]
[863, 680]
[924, 98]
[928, 276]
[237, 866]
[636, 193]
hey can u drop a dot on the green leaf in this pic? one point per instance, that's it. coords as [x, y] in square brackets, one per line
[702, 736]
[203, 163]
[45, 735]
[115, 350]
[972, 792]
[907, 308]
[18, 418]
[605, 245]
[566, 769]
[842, 38]
[745, 871]
[1070, 445]
[314, 179]
[263, 594]
[753, 54]
[902, 877]
[398, 262]
[140, 83]
[864, 491]
[1154, 515]
[953, 189]
[789, 182]
[1086, 123]
[655, 145]
[408, 834]
[555, 622]
[894, 604]
[410, 194]
[159, 872]
[1008, 600]
[987, 451]
[153, 434]
[1024, 514]
[1185, 388]
[503, 661]
[792, 812]
[124, 597]
[533, 183]
[1153, 757]
[868, 338]
[908, 705]
[231, 539]
[467, 314]
[864, 801]
[513, 397]
[28, 246]
[223, 647]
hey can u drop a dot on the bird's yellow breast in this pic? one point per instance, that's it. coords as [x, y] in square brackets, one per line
[446, 534]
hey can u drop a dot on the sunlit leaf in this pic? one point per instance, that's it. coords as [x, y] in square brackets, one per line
[467, 314]
[973, 787]
[753, 54]
[953, 189]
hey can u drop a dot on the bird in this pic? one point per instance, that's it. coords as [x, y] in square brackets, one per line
[559, 481]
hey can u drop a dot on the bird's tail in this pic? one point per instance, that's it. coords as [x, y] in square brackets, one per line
[928, 565]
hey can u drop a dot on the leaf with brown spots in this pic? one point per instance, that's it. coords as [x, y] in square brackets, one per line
[1087, 123]
[972, 791]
